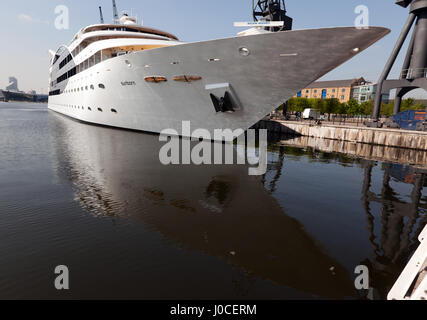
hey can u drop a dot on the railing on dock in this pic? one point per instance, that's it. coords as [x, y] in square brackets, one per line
[414, 73]
[339, 119]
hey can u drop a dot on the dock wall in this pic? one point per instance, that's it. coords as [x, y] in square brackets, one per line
[382, 137]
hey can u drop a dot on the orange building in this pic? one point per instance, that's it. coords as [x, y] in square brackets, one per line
[338, 89]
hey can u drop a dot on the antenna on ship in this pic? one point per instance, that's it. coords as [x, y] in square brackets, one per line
[115, 12]
[101, 15]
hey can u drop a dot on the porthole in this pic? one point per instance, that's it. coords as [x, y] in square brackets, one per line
[244, 51]
[89, 108]
[92, 87]
[99, 109]
[113, 110]
[101, 86]
[87, 88]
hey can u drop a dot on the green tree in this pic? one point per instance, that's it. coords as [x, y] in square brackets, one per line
[408, 104]
[305, 103]
[332, 106]
[319, 105]
[342, 108]
[353, 107]
[367, 107]
[387, 108]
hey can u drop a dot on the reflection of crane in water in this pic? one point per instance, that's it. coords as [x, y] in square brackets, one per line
[398, 222]
[275, 164]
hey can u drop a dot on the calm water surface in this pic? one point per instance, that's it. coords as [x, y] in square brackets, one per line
[98, 201]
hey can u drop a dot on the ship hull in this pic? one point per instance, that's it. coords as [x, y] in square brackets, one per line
[118, 92]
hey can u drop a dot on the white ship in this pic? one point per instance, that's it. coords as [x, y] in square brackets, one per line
[129, 76]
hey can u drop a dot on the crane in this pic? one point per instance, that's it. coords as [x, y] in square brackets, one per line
[101, 15]
[272, 10]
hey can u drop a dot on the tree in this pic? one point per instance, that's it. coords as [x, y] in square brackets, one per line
[407, 104]
[319, 105]
[342, 108]
[367, 107]
[332, 106]
[353, 107]
[305, 103]
[295, 104]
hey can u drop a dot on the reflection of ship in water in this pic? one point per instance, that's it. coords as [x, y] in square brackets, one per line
[218, 210]
[401, 222]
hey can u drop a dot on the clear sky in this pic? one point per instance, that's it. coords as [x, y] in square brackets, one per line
[27, 29]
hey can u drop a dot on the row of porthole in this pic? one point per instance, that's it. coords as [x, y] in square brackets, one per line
[92, 87]
[90, 109]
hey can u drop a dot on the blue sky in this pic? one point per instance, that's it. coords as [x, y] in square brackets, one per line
[27, 29]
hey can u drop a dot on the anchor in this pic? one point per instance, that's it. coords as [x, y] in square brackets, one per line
[223, 104]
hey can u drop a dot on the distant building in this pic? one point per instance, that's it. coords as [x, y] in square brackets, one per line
[2, 98]
[13, 85]
[338, 89]
[366, 92]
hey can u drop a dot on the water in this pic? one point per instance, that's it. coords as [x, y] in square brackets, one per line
[98, 201]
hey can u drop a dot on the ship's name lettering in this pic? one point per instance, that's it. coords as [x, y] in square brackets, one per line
[128, 83]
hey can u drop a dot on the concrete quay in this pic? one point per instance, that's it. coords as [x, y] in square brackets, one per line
[382, 137]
